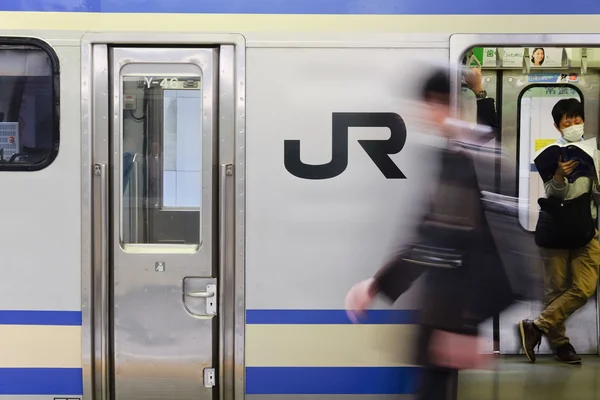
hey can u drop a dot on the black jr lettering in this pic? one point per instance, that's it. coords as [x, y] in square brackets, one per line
[378, 150]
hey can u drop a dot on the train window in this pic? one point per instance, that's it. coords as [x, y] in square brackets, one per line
[182, 165]
[536, 130]
[29, 101]
[162, 160]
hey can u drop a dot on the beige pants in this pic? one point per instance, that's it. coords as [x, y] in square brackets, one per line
[571, 277]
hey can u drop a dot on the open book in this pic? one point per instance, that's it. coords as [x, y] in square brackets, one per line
[584, 152]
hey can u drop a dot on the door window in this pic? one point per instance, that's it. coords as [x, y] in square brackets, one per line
[536, 130]
[162, 160]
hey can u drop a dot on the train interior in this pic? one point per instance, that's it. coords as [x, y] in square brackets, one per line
[526, 82]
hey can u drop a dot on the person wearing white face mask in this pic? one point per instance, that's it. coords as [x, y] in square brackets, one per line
[572, 273]
[573, 133]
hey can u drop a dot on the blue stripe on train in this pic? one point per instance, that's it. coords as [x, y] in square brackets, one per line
[333, 317]
[41, 381]
[331, 380]
[38, 317]
[356, 7]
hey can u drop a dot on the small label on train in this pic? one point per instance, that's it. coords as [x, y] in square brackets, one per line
[553, 78]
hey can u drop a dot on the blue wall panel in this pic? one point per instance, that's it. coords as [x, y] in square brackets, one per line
[509, 7]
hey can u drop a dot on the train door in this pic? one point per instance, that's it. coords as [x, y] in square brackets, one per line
[161, 134]
[530, 81]
[527, 126]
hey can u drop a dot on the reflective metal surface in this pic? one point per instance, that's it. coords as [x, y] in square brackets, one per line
[102, 287]
[160, 350]
[487, 328]
[87, 345]
[135, 189]
[100, 376]
[233, 108]
[231, 128]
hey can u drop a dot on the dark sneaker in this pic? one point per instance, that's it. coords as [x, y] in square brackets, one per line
[567, 354]
[531, 337]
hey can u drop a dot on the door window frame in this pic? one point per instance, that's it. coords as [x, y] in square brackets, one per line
[231, 136]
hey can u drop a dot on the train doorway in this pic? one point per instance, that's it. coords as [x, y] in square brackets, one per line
[163, 177]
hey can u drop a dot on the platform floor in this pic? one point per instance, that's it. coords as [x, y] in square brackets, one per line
[515, 378]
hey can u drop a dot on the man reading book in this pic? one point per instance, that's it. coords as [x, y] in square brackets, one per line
[571, 274]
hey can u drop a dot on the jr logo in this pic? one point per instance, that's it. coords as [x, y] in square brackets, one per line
[377, 150]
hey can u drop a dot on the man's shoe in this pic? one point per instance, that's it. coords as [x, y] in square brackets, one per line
[567, 354]
[531, 337]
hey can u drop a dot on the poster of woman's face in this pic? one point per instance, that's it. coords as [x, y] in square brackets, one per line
[546, 57]
[538, 56]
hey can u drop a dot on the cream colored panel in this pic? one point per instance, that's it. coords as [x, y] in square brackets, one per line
[29, 346]
[329, 345]
[299, 23]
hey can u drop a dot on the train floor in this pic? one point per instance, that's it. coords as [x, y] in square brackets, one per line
[513, 377]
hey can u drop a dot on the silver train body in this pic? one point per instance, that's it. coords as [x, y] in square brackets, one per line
[179, 239]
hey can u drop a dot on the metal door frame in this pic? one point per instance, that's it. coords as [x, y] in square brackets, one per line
[461, 43]
[94, 206]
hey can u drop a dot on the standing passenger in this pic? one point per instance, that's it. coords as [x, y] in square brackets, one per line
[465, 280]
[571, 274]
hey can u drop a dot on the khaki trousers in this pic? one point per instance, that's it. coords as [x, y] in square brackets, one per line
[571, 277]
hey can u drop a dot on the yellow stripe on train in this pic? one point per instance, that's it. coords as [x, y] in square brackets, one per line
[329, 345]
[40, 346]
[255, 23]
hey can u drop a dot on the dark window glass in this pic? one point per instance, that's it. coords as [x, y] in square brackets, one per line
[29, 100]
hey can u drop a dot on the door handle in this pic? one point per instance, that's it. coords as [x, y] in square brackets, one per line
[197, 293]
[210, 294]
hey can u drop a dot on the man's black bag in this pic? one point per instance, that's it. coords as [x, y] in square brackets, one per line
[453, 241]
[565, 224]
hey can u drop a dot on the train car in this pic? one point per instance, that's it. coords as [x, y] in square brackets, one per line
[188, 192]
